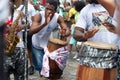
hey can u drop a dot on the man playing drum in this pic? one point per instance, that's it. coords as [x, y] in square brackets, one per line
[113, 7]
[43, 24]
[98, 55]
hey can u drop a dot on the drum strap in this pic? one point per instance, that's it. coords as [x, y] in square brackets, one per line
[22, 8]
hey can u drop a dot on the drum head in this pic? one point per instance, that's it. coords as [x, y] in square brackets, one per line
[57, 41]
[101, 45]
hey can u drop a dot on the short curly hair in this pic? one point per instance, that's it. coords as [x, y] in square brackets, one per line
[79, 5]
[53, 2]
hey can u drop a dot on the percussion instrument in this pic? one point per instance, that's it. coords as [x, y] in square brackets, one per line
[54, 44]
[97, 61]
[89, 73]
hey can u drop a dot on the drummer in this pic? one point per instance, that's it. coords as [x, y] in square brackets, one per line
[43, 24]
[113, 8]
[89, 28]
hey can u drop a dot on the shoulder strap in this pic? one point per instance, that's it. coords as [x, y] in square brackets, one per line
[22, 8]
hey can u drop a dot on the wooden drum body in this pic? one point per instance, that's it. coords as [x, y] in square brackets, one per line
[89, 73]
[98, 61]
[55, 71]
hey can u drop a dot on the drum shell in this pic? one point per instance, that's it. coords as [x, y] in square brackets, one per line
[55, 71]
[53, 46]
[89, 73]
[94, 72]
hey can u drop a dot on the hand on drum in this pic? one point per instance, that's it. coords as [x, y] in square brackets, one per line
[90, 33]
[64, 32]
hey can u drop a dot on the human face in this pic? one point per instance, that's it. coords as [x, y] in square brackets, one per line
[50, 9]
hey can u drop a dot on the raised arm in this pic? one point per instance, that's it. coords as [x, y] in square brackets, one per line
[109, 5]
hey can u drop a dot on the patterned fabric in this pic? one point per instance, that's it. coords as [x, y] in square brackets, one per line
[118, 76]
[60, 56]
[97, 58]
[16, 64]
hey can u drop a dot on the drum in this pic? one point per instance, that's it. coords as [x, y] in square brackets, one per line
[55, 71]
[97, 61]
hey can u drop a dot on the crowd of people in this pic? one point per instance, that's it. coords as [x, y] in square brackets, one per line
[29, 27]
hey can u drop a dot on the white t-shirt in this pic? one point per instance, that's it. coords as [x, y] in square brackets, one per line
[40, 39]
[91, 17]
[31, 11]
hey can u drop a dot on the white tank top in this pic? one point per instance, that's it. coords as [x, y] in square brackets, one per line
[40, 39]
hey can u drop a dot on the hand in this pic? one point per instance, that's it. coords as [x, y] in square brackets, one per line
[90, 33]
[48, 18]
[64, 32]
[109, 26]
[19, 28]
